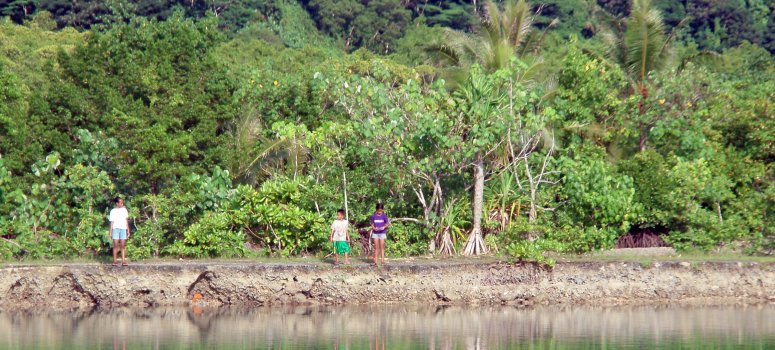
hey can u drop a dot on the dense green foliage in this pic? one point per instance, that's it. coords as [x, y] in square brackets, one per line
[236, 128]
[378, 25]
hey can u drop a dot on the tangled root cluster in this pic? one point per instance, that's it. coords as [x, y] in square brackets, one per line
[644, 238]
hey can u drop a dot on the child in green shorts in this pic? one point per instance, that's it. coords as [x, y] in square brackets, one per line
[340, 236]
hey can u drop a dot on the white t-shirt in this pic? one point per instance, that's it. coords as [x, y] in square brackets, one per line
[119, 216]
[340, 230]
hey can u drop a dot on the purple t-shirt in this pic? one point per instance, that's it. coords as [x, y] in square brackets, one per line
[379, 220]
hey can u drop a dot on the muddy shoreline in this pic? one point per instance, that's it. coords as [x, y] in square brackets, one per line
[96, 286]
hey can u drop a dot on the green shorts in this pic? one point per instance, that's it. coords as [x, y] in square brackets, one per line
[341, 247]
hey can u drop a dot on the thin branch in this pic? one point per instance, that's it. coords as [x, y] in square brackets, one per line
[417, 221]
[10, 241]
[546, 160]
[670, 37]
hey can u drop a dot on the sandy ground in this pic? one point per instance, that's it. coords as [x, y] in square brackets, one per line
[89, 286]
[654, 251]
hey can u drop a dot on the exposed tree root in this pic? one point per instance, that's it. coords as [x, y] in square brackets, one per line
[475, 244]
[641, 239]
[445, 245]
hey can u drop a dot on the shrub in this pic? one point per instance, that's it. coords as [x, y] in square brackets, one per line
[213, 235]
[406, 239]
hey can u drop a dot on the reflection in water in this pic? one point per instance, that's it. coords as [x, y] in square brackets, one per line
[119, 344]
[394, 327]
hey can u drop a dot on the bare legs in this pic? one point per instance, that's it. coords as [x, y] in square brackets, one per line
[379, 342]
[376, 250]
[115, 250]
[379, 250]
[346, 258]
[382, 250]
[123, 251]
[336, 255]
[119, 244]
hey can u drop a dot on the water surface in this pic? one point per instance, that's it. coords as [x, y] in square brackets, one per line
[396, 327]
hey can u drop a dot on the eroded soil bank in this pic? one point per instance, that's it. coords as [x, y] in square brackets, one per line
[86, 286]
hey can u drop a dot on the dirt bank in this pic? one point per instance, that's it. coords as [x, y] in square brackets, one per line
[85, 286]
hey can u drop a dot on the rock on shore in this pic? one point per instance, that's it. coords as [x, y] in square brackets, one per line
[86, 286]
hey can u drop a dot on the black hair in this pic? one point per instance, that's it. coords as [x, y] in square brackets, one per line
[340, 211]
[379, 206]
[118, 199]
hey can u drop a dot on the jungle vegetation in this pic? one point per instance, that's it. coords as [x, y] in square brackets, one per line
[237, 128]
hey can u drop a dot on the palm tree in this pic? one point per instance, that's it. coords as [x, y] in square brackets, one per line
[640, 45]
[258, 157]
[502, 33]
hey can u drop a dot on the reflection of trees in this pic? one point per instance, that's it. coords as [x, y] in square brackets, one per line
[76, 318]
[375, 327]
[55, 326]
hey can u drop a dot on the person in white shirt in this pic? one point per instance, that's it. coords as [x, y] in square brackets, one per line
[119, 230]
[340, 236]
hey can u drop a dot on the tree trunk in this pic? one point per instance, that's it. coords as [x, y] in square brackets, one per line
[435, 205]
[346, 208]
[644, 127]
[475, 243]
[644, 136]
[478, 193]
[533, 214]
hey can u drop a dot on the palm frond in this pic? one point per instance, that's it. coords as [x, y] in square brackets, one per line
[273, 155]
[491, 23]
[616, 51]
[550, 88]
[607, 18]
[644, 40]
[443, 54]
[268, 151]
[702, 56]
[670, 37]
[537, 46]
[497, 56]
[500, 34]
[458, 48]
[529, 75]
[519, 18]
[612, 35]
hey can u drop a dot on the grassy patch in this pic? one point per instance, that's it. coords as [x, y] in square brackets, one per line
[634, 255]
[645, 259]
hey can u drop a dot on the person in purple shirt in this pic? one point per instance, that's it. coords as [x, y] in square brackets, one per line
[379, 227]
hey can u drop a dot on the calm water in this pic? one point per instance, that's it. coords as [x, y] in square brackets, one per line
[396, 327]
